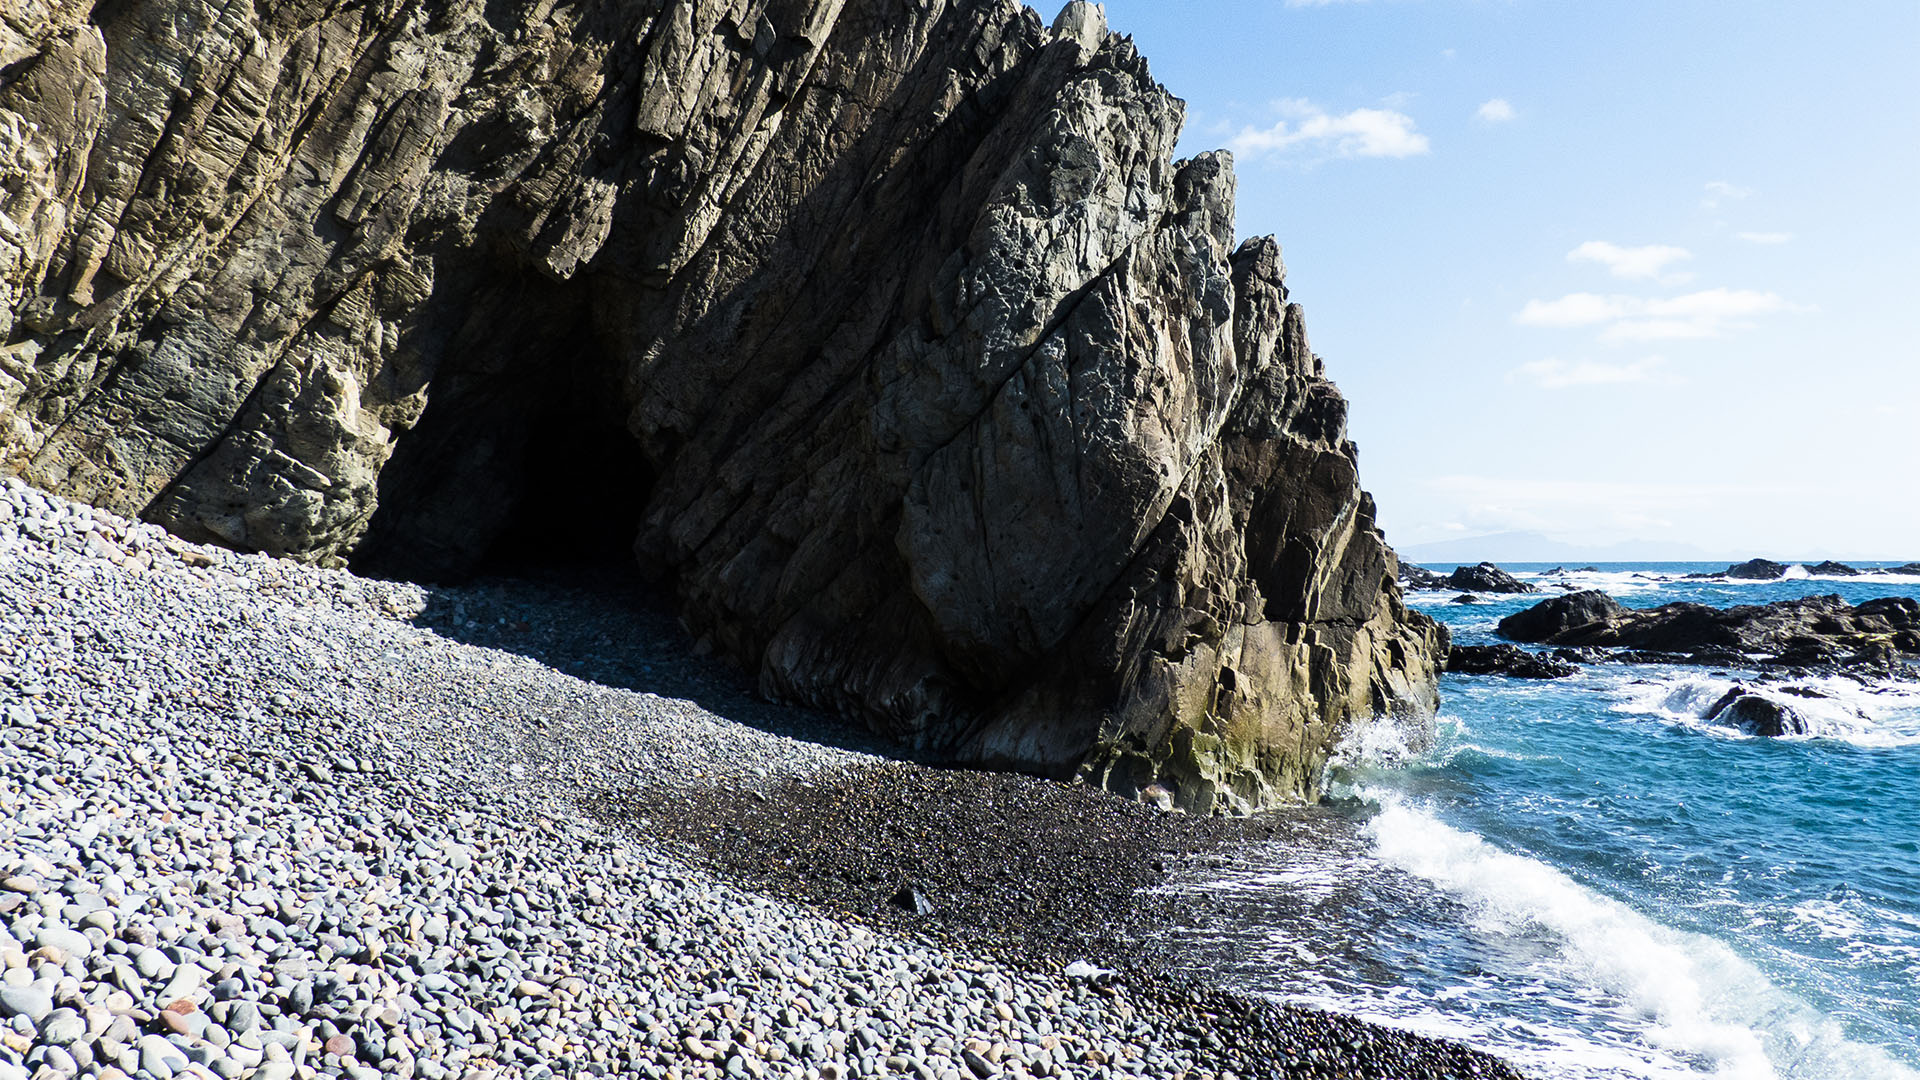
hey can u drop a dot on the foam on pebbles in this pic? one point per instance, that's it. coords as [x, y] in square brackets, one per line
[255, 822]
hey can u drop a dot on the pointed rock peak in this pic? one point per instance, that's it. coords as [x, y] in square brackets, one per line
[1082, 22]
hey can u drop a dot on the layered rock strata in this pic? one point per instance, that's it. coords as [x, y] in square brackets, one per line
[888, 334]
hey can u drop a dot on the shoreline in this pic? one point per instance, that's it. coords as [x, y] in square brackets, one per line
[356, 836]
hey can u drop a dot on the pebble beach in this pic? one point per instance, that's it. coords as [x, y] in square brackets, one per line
[268, 820]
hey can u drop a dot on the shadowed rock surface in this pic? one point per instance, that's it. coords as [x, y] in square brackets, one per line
[1814, 631]
[888, 336]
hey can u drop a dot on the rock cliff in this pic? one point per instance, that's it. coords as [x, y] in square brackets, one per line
[887, 333]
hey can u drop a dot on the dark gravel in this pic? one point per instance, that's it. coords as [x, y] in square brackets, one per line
[1020, 866]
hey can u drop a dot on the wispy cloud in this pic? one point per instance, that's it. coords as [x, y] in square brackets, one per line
[1556, 374]
[1705, 314]
[1765, 237]
[1719, 191]
[1648, 262]
[1596, 507]
[1358, 133]
[1495, 111]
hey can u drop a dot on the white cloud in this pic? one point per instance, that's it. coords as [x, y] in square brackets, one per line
[1662, 330]
[1704, 314]
[1359, 133]
[1599, 508]
[1495, 111]
[1765, 237]
[1556, 374]
[1648, 262]
[1574, 309]
[1719, 191]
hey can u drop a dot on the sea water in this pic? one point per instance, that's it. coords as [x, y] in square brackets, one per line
[1587, 878]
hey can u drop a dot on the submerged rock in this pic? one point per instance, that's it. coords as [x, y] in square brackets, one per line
[1757, 715]
[888, 336]
[1487, 577]
[1509, 660]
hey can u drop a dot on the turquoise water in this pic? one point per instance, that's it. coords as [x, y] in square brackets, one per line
[1585, 877]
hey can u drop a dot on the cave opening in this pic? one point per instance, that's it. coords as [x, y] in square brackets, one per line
[577, 499]
[522, 462]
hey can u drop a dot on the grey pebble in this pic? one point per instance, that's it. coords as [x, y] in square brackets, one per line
[32, 1002]
[67, 940]
[63, 1027]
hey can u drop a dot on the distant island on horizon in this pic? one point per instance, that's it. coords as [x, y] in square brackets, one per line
[1531, 547]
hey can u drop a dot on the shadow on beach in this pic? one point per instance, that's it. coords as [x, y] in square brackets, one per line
[603, 623]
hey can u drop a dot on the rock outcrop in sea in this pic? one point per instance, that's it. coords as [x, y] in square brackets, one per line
[1508, 660]
[1487, 577]
[1822, 632]
[1484, 577]
[891, 336]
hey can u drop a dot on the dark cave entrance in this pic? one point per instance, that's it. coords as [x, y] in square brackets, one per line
[522, 463]
[576, 502]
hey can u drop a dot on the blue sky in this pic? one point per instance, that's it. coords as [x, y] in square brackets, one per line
[1647, 269]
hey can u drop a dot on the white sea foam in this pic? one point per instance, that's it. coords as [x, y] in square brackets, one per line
[1863, 930]
[1874, 577]
[1706, 1010]
[1611, 582]
[1883, 714]
[1829, 919]
[1388, 741]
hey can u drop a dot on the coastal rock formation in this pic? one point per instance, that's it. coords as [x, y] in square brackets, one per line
[1419, 577]
[888, 336]
[1509, 660]
[1814, 631]
[1548, 619]
[1486, 577]
[1829, 568]
[1751, 570]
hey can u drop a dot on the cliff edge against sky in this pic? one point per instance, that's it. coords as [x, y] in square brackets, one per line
[888, 334]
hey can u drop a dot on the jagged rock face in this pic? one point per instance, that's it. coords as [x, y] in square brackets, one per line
[889, 334]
